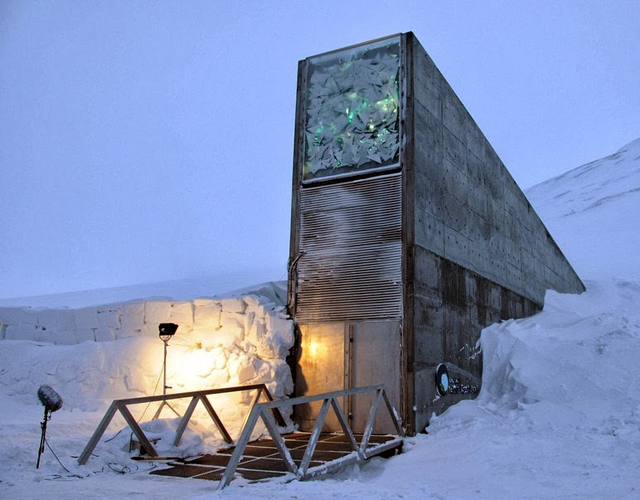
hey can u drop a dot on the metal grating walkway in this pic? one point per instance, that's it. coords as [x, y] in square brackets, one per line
[261, 459]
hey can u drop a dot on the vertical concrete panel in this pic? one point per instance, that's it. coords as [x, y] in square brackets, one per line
[375, 344]
[427, 82]
[495, 258]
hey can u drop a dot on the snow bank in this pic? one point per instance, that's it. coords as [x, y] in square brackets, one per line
[93, 355]
[579, 355]
[558, 414]
[230, 319]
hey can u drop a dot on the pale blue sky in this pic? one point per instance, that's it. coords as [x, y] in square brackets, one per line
[149, 141]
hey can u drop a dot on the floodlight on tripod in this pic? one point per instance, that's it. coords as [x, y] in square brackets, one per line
[51, 401]
[165, 332]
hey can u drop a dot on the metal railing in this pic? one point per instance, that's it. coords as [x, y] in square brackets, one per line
[329, 400]
[196, 397]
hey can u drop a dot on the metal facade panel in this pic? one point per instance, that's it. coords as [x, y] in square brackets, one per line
[375, 360]
[351, 246]
[321, 369]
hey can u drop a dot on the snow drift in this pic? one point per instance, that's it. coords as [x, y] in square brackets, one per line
[220, 342]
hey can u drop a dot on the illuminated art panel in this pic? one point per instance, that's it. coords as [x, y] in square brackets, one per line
[352, 118]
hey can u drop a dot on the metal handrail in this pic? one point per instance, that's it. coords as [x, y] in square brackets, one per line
[196, 396]
[330, 399]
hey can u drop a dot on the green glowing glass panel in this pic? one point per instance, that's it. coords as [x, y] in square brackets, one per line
[352, 110]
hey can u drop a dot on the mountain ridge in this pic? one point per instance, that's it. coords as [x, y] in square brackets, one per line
[595, 180]
[593, 213]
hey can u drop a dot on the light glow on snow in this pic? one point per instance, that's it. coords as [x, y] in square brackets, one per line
[193, 364]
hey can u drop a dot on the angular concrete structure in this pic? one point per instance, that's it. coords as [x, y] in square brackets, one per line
[408, 233]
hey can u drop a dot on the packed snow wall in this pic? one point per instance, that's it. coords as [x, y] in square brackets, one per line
[95, 354]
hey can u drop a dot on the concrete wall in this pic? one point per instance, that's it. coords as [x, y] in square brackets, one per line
[479, 251]
[468, 207]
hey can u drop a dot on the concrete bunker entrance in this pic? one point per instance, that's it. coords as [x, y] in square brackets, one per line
[344, 355]
[408, 234]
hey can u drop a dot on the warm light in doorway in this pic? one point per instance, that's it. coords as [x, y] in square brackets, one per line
[314, 348]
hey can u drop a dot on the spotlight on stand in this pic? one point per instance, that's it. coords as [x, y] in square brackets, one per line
[51, 401]
[165, 332]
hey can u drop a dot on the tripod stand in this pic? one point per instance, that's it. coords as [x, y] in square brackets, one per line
[164, 384]
[43, 426]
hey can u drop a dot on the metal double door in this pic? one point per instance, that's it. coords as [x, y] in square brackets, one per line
[335, 356]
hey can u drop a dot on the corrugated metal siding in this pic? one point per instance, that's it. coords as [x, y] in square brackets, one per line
[351, 236]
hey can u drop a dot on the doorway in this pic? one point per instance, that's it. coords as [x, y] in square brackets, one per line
[335, 356]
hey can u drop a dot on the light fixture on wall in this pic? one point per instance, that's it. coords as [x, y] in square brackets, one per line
[166, 331]
[442, 379]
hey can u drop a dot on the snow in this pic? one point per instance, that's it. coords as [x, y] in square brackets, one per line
[593, 213]
[558, 415]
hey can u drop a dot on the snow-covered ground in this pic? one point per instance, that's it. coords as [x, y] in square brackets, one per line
[558, 415]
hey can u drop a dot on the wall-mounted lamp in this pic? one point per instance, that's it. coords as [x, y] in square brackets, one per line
[442, 379]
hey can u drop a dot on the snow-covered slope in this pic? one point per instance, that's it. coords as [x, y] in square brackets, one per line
[558, 415]
[593, 212]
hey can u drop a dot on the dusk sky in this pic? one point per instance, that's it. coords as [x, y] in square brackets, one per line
[152, 141]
